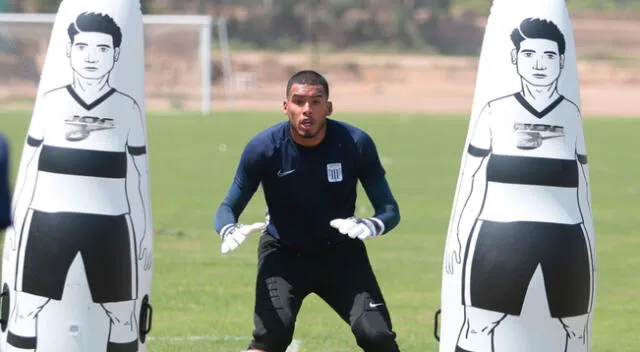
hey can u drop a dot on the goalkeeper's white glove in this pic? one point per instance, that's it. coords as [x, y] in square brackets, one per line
[234, 234]
[355, 227]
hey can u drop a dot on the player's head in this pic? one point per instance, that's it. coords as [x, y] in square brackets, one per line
[539, 51]
[94, 44]
[307, 104]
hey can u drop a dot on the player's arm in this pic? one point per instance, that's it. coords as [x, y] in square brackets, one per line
[386, 210]
[372, 177]
[581, 159]
[232, 206]
[478, 149]
[5, 196]
[137, 187]
[28, 168]
[584, 189]
[245, 183]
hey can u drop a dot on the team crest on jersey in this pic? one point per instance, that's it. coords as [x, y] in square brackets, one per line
[334, 172]
[531, 136]
[80, 127]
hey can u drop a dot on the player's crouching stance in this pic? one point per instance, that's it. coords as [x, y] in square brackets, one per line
[309, 167]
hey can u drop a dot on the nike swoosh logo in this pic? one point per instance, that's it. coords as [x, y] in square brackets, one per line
[373, 305]
[285, 173]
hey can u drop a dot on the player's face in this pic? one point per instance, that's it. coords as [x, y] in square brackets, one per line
[92, 54]
[539, 61]
[307, 108]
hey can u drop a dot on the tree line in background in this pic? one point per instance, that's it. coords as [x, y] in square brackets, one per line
[356, 24]
[479, 6]
[482, 6]
[443, 26]
[50, 6]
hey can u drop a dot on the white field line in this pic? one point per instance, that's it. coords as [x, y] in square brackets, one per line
[293, 347]
[198, 338]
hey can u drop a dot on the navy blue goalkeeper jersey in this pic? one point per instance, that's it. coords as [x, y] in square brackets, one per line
[307, 187]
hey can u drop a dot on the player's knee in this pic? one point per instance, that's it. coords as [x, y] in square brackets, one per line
[482, 322]
[373, 332]
[273, 335]
[272, 342]
[28, 305]
[575, 327]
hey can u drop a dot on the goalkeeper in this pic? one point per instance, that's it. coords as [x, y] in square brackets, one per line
[309, 167]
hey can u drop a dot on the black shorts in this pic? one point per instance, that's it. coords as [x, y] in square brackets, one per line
[103, 241]
[342, 276]
[506, 256]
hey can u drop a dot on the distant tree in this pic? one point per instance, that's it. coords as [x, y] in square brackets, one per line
[146, 6]
[410, 29]
[51, 6]
[47, 6]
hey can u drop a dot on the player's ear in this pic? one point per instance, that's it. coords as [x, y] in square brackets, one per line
[285, 107]
[514, 56]
[329, 108]
[116, 54]
[561, 61]
[68, 49]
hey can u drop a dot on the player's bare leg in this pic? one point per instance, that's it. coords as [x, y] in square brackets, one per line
[576, 329]
[22, 322]
[477, 331]
[123, 331]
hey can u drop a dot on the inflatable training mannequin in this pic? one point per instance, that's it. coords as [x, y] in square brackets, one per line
[77, 267]
[519, 263]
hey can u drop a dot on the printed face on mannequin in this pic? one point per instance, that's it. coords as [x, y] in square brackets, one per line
[92, 54]
[538, 61]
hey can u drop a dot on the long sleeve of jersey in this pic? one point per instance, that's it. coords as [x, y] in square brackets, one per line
[384, 204]
[5, 197]
[245, 183]
[372, 176]
[232, 206]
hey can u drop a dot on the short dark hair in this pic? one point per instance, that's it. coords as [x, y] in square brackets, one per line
[96, 22]
[536, 28]
[308, 77]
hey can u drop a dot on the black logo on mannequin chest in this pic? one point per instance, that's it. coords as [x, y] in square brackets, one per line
[532, 136]
[80, 127]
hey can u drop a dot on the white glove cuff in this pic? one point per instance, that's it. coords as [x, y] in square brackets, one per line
[380, 225]
[227, 230]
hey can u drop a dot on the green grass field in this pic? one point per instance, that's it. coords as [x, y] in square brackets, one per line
[203, 301]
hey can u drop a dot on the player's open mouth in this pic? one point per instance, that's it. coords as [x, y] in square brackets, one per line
[306, 123]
